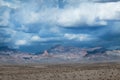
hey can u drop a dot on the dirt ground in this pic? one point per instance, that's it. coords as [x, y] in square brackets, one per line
[94, 71]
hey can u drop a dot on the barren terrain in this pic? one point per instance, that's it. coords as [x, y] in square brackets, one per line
[93, 71]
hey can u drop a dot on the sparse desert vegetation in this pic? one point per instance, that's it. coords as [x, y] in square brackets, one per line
[94, 71]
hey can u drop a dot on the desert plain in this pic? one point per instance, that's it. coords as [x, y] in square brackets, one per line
[69, 71]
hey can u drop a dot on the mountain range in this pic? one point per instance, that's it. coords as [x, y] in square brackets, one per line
[59, 54]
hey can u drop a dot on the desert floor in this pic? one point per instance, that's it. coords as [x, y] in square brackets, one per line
[93, 71]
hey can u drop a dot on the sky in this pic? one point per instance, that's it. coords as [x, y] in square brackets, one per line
[37, 25]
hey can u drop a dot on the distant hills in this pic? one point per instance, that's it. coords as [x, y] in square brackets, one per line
[59, 54]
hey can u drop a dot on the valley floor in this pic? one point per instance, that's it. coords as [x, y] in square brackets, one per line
[93, 71]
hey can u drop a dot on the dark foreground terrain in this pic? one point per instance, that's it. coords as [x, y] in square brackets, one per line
[101, 71]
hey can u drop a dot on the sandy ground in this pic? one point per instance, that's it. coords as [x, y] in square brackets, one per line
[101, 71]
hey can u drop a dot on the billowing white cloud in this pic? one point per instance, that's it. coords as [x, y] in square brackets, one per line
[85, 13]
[90, 14]
[35, 38]
[20, 42]
[79, 37]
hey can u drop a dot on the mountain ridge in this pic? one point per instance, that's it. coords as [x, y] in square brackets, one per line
[60, 54]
